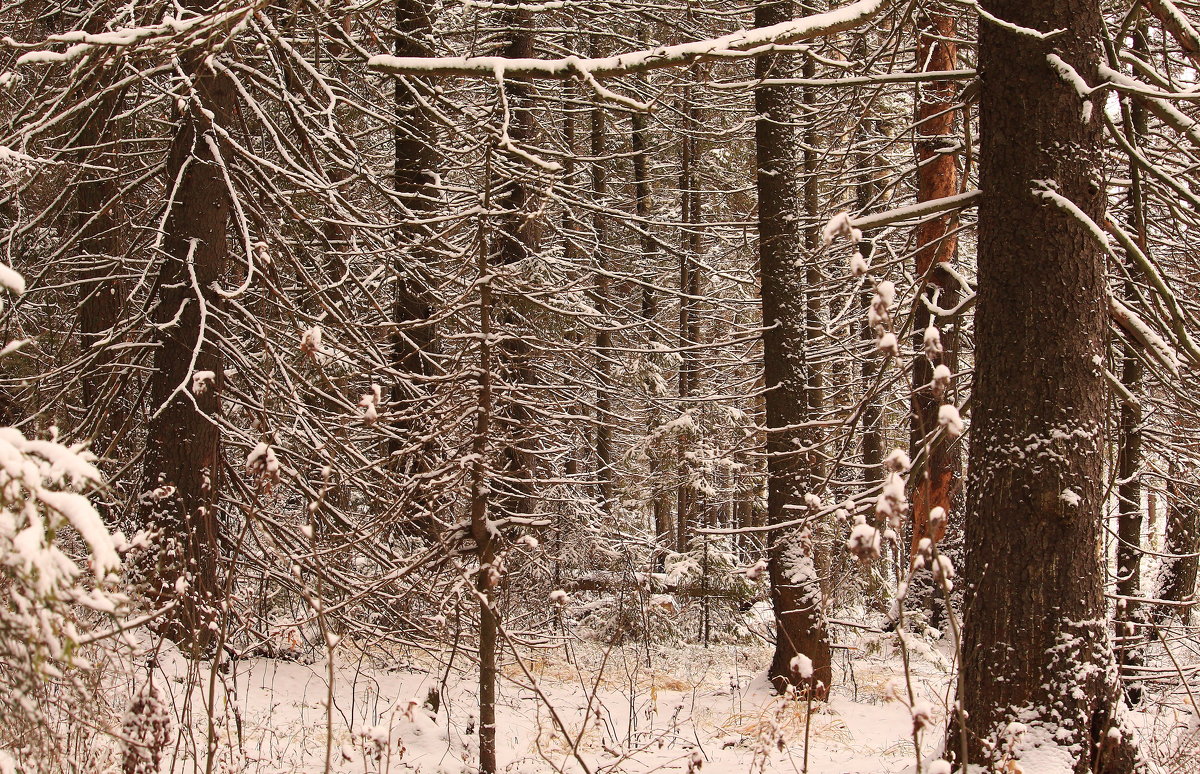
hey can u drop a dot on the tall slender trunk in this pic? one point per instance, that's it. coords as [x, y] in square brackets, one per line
[101, 242]
[511, 241]
[689, 320]
[796, 591]
[487, 577]
[182, 469]
[1129, 451]
[937, 243]
[515, 239]
[604, 416]
[639, 142]
[1177, 578]
[1034, 587]
[415, 170]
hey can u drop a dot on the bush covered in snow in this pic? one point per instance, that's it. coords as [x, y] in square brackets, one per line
[57, 559]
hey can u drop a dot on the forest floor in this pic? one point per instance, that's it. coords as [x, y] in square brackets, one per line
[625, 709]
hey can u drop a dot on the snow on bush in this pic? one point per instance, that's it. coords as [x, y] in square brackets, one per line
[55, 556]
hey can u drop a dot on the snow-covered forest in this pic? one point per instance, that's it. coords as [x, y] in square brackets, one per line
[599, 386]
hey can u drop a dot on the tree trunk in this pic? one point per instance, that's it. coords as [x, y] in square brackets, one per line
[415, 168]
[604, 416]
[689, 323]
[1177, 578]
[1036, 647]
[1129, 451]
[515, 239]
[182, 472]
[101, 242]
[937, 177]
[511, 493]
[796, 592]
[639, 143]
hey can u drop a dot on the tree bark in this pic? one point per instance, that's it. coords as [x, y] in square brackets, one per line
[182, 471]
[689, 318]
[1036, 647]
[796, 591]
[937, 177]
[415, 171]
[101, 242]
[1177, 578]
[604, 416]
[639, 144]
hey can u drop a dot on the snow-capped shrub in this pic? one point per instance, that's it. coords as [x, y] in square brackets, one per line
[55, 556]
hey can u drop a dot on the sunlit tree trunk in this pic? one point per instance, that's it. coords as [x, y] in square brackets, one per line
[937, 244]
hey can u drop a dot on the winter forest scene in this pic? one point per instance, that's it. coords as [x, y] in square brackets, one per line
[599, 386]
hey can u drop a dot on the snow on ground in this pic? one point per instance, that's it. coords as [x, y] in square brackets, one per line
[624, 709]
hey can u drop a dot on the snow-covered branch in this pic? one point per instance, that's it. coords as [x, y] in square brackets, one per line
[738, 44]
[914, 211]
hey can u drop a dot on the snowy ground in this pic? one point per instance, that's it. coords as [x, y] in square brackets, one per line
[624, 710]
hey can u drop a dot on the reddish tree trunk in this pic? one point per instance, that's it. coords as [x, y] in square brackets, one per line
[937, 177]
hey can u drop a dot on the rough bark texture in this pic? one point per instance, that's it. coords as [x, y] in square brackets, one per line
[1177, 578]
[101, 242]
[604, 441]
[796, 592]
[1036, 645]
[415, 168]
[183, 460]
[686, 498]
[937, 177]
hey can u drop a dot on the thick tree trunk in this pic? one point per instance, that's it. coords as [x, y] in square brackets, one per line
[796, 591]
[1039, 678]
[182, 469]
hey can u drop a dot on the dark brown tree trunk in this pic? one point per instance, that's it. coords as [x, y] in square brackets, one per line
[516, 238]
[415, 171]
[639, 143]
[1177, 578]
[101, 242]
[1036, 645]
[689, 318]
[1130, 616]
[182, 473]
[604, 416]
[510, 242]
[796, 591]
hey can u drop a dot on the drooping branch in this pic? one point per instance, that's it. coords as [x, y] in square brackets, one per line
[919, 210]
[738, 44]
